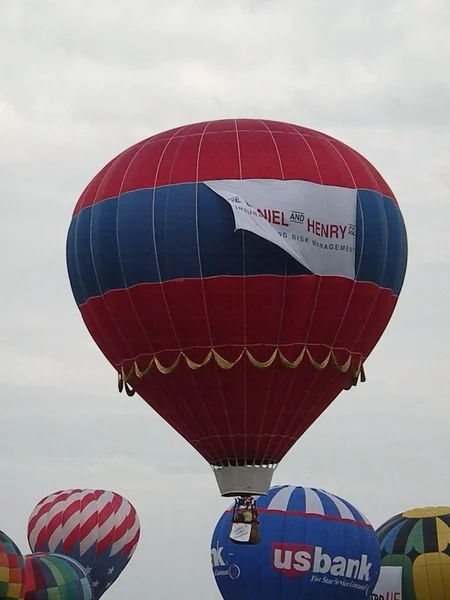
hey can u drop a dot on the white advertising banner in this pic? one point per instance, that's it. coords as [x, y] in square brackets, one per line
[315, 224]
[389, 584]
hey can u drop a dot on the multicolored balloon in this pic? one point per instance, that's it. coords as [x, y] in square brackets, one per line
[313, 545]
[417, 541]
[98, 528]
[237, 274]
[56, 577]
[12, 569]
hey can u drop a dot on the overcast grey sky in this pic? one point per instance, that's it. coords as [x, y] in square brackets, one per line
[84, 79]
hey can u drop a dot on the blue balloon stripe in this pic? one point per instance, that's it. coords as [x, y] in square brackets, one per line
[357, 515]
[389, 538]
[187, 231]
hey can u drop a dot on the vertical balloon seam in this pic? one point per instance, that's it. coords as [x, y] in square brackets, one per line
[386, 238]
[115, 503]
[87, 499]
[54, 571]
[96, 584]
[284, 530]
[244, 291]
[77, 257]
[119, 554]
[77, 540]
[105, 304]
[110, 559]
[194, 382]
[109, 503]
[128, 536]
[280, 325]
[441, 550]
[276, 450]
[153, 201]
[197, 230]
[318, 368]
[199, 395]
[305, 397]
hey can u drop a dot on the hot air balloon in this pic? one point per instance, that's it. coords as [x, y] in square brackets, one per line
[313, 545]
[12, 569]
[55, 577]
[99, 529]
[417, 542]
[237, 274]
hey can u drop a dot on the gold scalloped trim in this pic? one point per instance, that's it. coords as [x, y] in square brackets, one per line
[226, 365]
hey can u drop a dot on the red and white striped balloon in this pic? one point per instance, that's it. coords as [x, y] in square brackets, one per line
[98, 528]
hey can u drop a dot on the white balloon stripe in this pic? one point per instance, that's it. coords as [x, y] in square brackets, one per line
[106, 527]
[89, 540]
[87, 512]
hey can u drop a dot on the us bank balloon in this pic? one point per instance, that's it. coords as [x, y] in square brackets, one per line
[313, 545]
[417, 542]
[237, 274]
[98, 528]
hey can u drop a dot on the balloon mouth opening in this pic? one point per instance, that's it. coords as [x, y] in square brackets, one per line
[244, 480]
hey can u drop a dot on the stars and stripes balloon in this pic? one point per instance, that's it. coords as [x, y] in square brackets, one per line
[237, 274]
[417, 542]
[12, 569]
[313, 545]
[55, 577]
[98, 528]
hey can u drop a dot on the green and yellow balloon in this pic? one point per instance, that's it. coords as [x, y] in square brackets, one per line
[418, 540]
[51, 576]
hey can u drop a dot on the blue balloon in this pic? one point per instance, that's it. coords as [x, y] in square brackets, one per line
[312, 545]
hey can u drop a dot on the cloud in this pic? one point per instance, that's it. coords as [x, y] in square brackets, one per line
[82, 81]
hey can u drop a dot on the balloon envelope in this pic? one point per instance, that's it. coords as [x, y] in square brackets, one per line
[313, 545]
[12, 569]
[237, 274]
[418, 542]
[98, 528]
[55, 577]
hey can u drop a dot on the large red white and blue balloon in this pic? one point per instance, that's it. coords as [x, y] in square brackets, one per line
[237, 274]
[98, 528]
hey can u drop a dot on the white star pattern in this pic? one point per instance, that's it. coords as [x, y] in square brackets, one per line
[94, 583]
[110, 571]
[88, 570]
